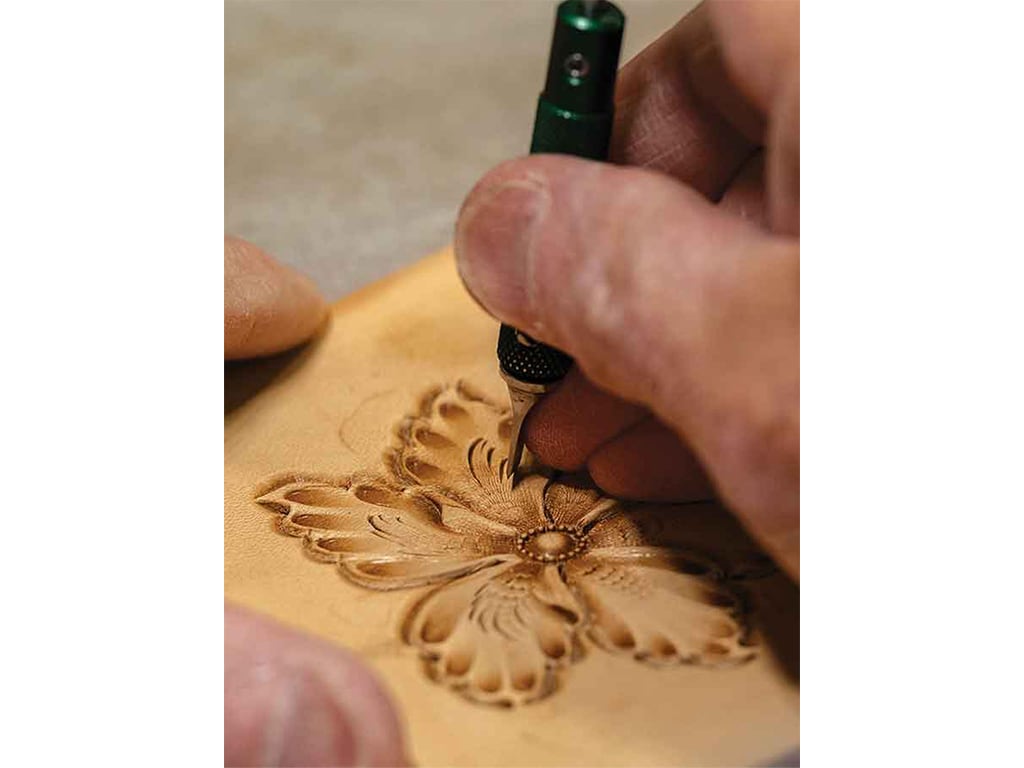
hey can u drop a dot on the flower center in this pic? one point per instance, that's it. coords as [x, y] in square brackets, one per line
[551, 544]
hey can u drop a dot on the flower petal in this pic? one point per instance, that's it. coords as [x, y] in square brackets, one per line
[642, 606]
[455, 447]
[572, 500]
[705, 530]
[500, 635]
[383, 536]
[404, 572]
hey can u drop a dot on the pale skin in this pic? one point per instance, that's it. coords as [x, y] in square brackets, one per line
[673, 282]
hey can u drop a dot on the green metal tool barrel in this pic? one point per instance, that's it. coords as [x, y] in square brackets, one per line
[575, 110]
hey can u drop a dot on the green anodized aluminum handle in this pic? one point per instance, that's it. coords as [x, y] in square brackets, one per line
[574, 117]
[575, 110]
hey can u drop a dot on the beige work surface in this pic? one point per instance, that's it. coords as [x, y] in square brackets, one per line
[365, 503]
[354, 128]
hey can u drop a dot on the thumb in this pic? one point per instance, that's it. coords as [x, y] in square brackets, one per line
[663, 299]
[268, 307]
[290, 699]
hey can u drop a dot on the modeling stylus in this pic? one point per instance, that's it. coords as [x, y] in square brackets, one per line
[574, 117]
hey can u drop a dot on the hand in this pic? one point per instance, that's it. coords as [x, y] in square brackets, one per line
[674, 283]
[290, 699]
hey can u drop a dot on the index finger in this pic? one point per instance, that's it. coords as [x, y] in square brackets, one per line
[678, 112]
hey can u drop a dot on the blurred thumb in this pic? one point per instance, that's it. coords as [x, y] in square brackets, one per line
[663, 299]
[268, 307]
[290, 699]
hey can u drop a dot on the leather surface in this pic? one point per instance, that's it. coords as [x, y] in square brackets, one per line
[330, 411]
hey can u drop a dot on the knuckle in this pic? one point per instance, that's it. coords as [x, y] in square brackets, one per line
[763, 461]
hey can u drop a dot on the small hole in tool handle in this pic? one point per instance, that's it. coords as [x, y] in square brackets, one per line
[576, 65]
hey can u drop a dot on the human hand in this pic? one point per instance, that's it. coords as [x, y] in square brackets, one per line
[290, 699]
[673, 283]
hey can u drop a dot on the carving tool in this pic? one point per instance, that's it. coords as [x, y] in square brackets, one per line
[574, 117]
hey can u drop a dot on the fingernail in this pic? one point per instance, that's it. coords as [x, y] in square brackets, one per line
[309, 727]
[493, 243]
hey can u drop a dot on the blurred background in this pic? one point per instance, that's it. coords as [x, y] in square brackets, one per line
[354, 128]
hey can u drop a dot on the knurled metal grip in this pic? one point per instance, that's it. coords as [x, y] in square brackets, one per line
[530, 361]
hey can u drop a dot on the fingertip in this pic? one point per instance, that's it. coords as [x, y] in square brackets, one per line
[291, 699]
[761, 42]
[574, 420]
[493, 240]
[550, 443]
[648, 462]
[496, 233]
[268, 306]
[675, 88]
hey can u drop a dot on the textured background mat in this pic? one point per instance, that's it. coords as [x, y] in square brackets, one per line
[353, 129]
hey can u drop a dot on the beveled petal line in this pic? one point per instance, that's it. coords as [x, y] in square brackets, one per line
[706, 531]
[603, 510]
[406, 572]
[572, 501]
[672, 558]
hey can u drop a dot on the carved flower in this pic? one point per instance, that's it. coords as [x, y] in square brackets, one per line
[516, 579]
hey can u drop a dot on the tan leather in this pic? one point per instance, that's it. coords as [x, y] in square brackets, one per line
[540, 624]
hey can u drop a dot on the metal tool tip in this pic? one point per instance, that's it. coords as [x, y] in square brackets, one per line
[523, 397]
[515, 450]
